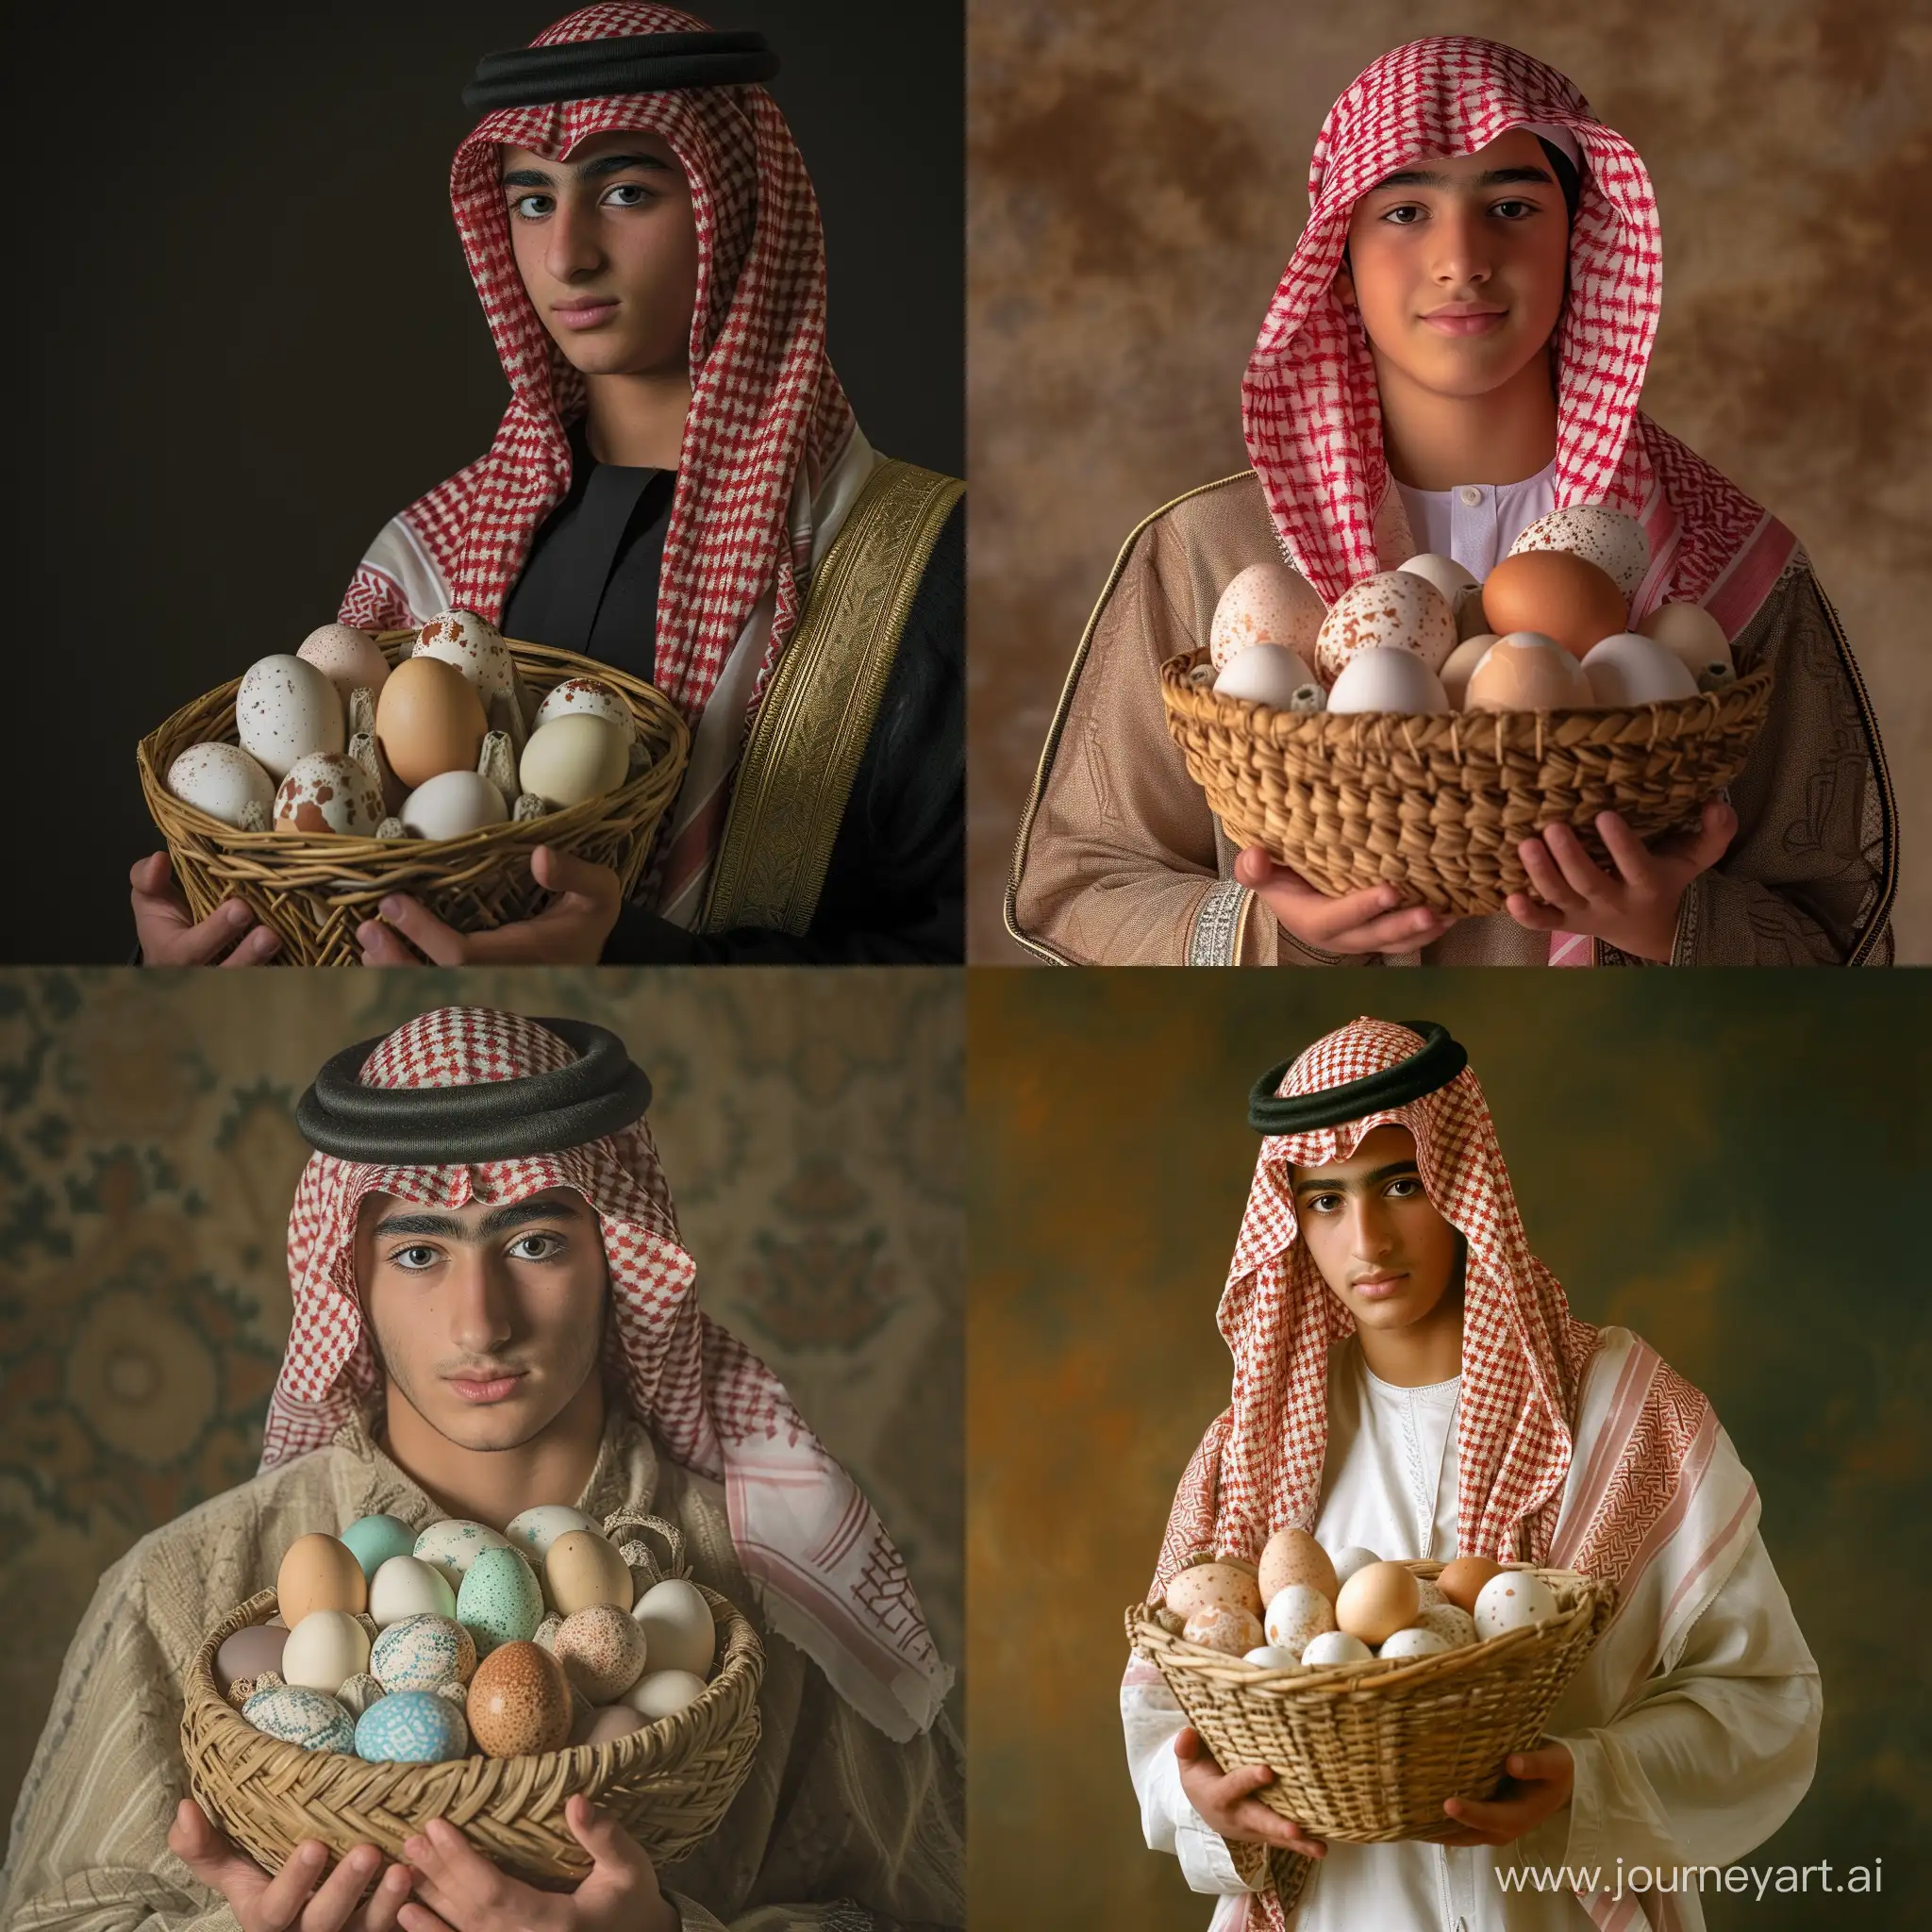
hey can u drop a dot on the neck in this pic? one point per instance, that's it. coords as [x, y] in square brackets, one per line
[637, 422]
[1435, 441]
[491, 1486]
[1424, 1352]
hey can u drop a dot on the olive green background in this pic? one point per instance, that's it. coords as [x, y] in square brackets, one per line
[810, 1126]
[1733, 1165]
[1138, 175]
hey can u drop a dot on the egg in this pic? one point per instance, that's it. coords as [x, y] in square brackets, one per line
[1414, 1641]
[602, 1651]
[224, 782]
[535, 1531]
[607, 1726]
[351, 659]
[1455, 1626]
[1386, 679]
[679, 1633]
[1614, 543]
[1265, 604]
[1270, 1657]
[591, 697]
[1631, 669]
[1462, 662]
[1335, 1647]
[1556, 595]
[1351, 1559]
[455, 1691]
[1292, 1555]
[1461, 1581]
[319, 1572]
[376, 1539]
[452, 805]
[412, 1728]
[1395, 609]
[286, 709]
[422, 1652]
[574, 757]
[324, 1650]
[454, 1544]
[1513, 1600]
[356, 1694]
[409, 1587]
[248, 1653]
[328, 791]
[1296, 1613]
[519, 1702]
[663, 1693]
[1691, 634]
[1452, 581]
[471, 646]
[1214, 1583]
[1377, 1601]
[500, 1601]
[1224, 1628]
[582, 1568]
[1264, 675]
[296, 1715]
[428, 720]
[546, 1631]
[1525, 672]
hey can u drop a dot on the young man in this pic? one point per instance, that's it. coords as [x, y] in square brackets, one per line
[1457, 348]
[1409, 1378]
[491, 1309]
[678, 487]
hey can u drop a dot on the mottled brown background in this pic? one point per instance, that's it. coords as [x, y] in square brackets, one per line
[1137, 177]
[810, 1126]
[1733, 1165]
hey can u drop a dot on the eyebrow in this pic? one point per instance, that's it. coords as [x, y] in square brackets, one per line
[584, 171]
[1367, 1180]
[498, 1220]
[1489, 177]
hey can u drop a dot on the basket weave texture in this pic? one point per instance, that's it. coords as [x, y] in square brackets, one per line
[669, 1784]
[1438, 805]
[1365, 1754]
[315, 889]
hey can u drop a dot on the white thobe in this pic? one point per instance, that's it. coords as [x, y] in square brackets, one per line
[1476, 523]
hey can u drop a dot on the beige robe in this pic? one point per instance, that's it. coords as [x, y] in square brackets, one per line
[837, 1825]
[1121, 862]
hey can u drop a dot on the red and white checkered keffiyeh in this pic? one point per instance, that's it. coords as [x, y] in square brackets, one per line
[1258, 1468]
[1310, 406]
[829, 1576]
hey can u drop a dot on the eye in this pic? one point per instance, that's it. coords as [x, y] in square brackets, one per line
[532, 207]
[630, 194]
[1407, 1189]
[1399, 216]
[1323, 1204]
[414, 1258]
[537, 1247]
[1514, 211]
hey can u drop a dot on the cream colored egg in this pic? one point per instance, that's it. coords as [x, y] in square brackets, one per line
[1335, 1647]
[1349, 1561]
[1461, 1581]
[1296, 1613]
[1377, 1601]
[1214, 1583]
[1270, 1657]
[473, 645]
[1449, 578]
[1292, 1555]
[224, 782]
[1511, 1601]
[1455, 1626]
[328, 791]
[1691, 634]
[574, 757]
[1385, 678]
[1462, 662]
[607, 1725]
[1414, 1641]
[319, 1572]
[1265, 604]
[1631, 669]
[583, 1567]
[285, 710]
[452, 805]
[590, 695]
[1264, 675]
[407, 1587]
[1614, 543]
[452, 1544]
[1224, 1628]
[324, 1650]
[1527, 671]
[351, 659]
[679, 1632]
[1395, 609]
[663, 1693]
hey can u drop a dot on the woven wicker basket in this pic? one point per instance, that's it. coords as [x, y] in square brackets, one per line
[668, 1784]
[1439, 804]
[314, 890]
[1365, 1754]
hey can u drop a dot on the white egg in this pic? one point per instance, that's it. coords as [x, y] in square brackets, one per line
[1387, 678]
[574, 757]
[409, 1587]
[453, 1545]
[286, 709]
[452, 805]
[1351, 1559]
[663, 1693]
[1335, 1647]
[1448, 576]
[535, 1531]
[1632, 668]
[1264, 675]
[1691, 634]
[1393, 609]
[1265, 604]
[1452, 1625]
[222, 780]
[324, 1650]
[473, 645]
[1298, 1613]
[1512, 1600]
[328, 791]
[679, 1634]
[1615, 543]
[1462, 661]
[350, 658]
[590, 695]
[1417, 1641]
[1270, 1657]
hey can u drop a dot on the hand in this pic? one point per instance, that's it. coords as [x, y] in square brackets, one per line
[170, 937]
[1227, 1804]
[1636, 910]
[261, 1904]
[1539, 1783]
[568, 932]
[462, 1892]
[1360, 921]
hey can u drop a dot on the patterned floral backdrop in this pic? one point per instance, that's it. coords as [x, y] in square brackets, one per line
[811, 1126]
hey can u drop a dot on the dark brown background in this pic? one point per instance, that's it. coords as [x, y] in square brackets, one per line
[1733, 1165]
[1139, 175]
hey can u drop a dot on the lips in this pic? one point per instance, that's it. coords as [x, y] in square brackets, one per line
[1464, 321]
[1378, 1288]
[585, 314]
[486, 1388]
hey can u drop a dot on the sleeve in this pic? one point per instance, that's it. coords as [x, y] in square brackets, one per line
[398, 583]
[1152, 1720]
[1810, 876]
[1715, 1754]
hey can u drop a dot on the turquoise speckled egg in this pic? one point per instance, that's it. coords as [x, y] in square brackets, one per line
[412, 1728]
[376, 1539]
[311, 1719]
[422, 1652]
[501, 1601]
[453, 1545]
[535, 1531]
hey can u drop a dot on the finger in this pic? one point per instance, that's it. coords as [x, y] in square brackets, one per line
[200, 945]
[379, 947]
[1253, 1819]
[209, 1856]
[1188, 1745]
[1585, 877]
[1538, 1767]
[257, 949]
[441, 944]
[381, 1914]
[1699, 850]
[1322, 919]
[459, 1880]
[578, 878]
[1235, 1787]
[1406, 931]
[1254, 868]
[1545, 880]
[282, 1899]
[1532, 913]
[1498, 1822]
[339, 1895]
[416, 1918]
[149, 876]
[1632, 857]
[1461, 1836]
[604, 1837]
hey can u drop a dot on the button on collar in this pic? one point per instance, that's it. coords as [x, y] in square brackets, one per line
[1469, 494]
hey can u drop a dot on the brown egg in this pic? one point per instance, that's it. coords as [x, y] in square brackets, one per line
[1377, 1601]
[602, 1651]
[1562, 596]
[248, 1653]
[519, 1702]
[1461, 1581]
[430, 720]
[1293, 1555]
[1224, 1627]
[1527, 673]
[582, 1568]
[319, 1572]
[1206, 1583]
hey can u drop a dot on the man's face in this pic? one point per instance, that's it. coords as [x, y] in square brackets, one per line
[1458, 265]
[486, 1320]
[608, 248]
[1385, 1252]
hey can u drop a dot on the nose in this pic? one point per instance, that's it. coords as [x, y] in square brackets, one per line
[1372, 1234]
[479, 1303]
[571, 246]
[1462, 253]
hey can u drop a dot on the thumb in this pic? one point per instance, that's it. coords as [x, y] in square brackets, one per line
[611, 1847]
[1714, 835]
[563, 872]
[1535, 1766]
[213, 1860]
[1186, 1743]
[149, 876]
[1252, 867]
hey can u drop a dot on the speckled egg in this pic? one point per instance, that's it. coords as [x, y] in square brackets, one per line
[412, 1728]
[311, 1719]
[1265, 604]
[1224, 1628]
[1292, 1555]
[546, 1631]
[500, 1601]
[601, 700]
[376, 1539]
[473, 645]
[324, 1650]
[349, 659]
[1606, 538]
[454, 1544]
[1297, 1613]
[520, 1702]
[1429, 1592]
[420, 1653]
[286, 709]
[358, 1692]
[1414, 1641]
[1214, 1583]
[535, 1531]
[319, 1572]
[409, 1587]
[248, 1653]
[1395, 610]
[224, 782]
[663, 1693]
[602, 1651]
[330, 792]
[679, 1632]
[1455, 1627]
[605, 1726]
[1513, 1600]
[583, 1567]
